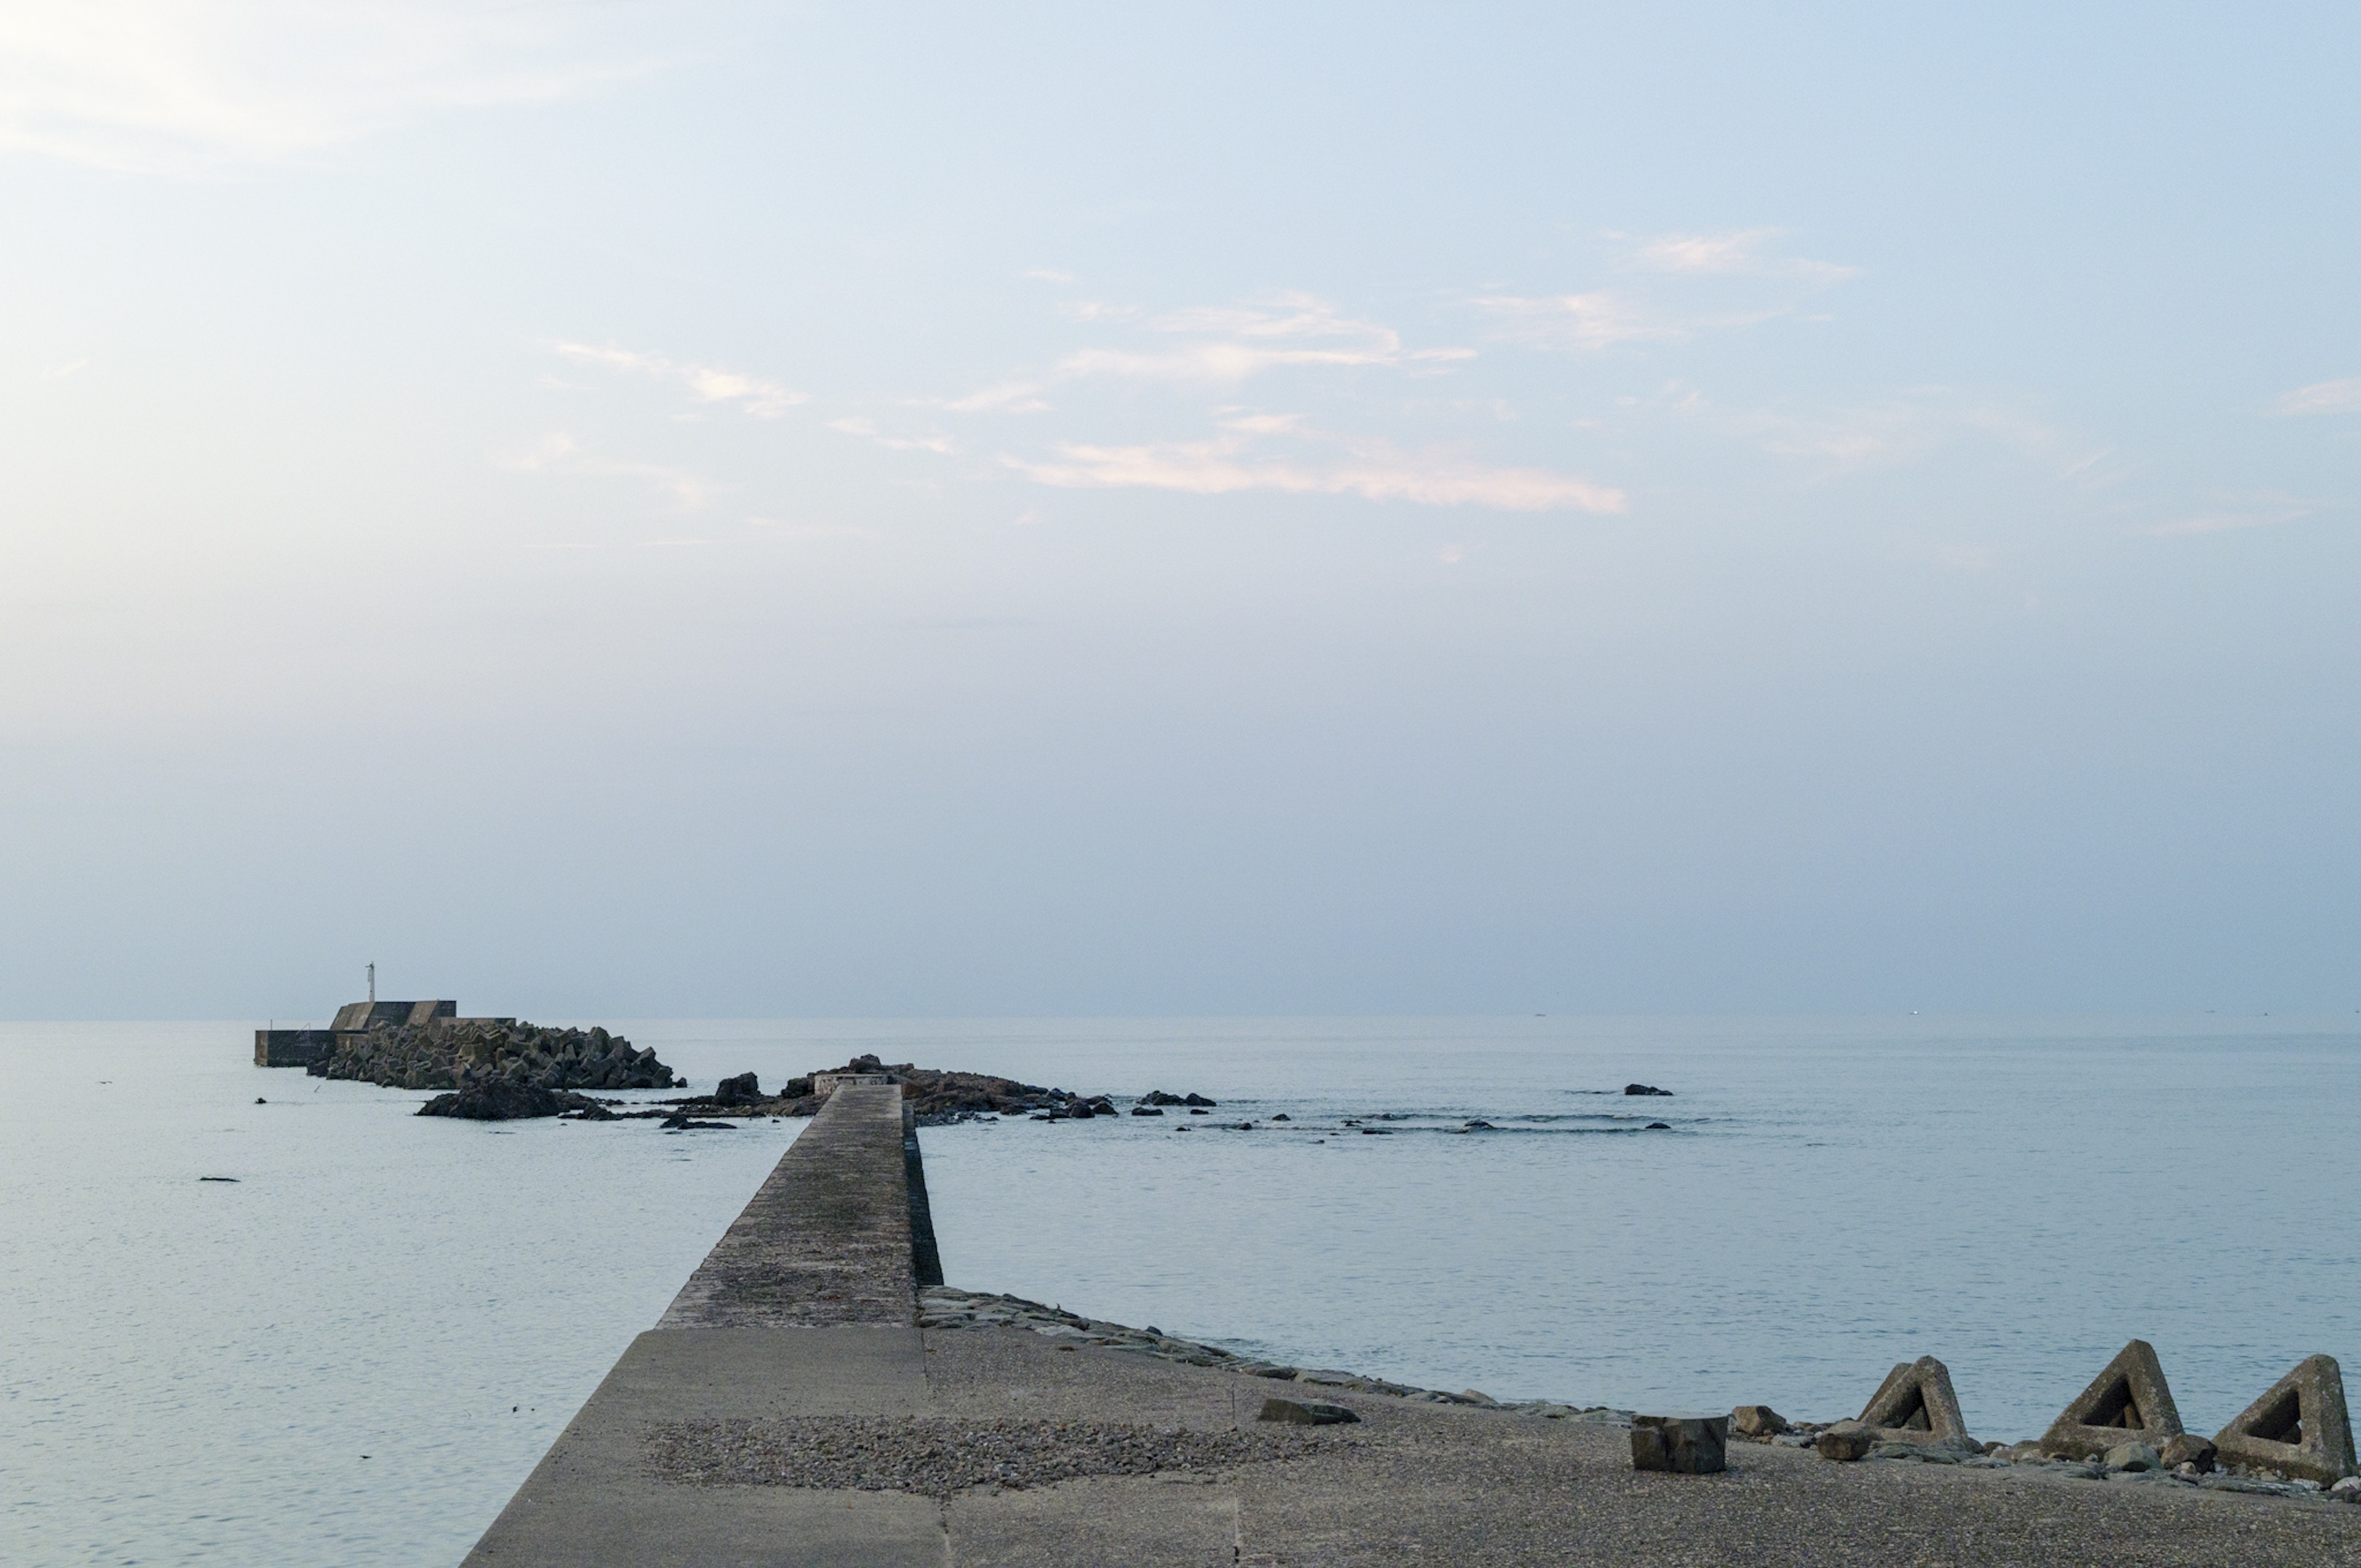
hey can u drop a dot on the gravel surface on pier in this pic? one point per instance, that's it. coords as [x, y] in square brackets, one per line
[938, 1457]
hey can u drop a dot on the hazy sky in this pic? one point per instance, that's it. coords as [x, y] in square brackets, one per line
[626, 509]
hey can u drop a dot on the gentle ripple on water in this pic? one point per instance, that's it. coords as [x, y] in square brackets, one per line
[190, 1373]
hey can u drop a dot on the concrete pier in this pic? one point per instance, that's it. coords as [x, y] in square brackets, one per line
[807, 1306]
[800, 1330]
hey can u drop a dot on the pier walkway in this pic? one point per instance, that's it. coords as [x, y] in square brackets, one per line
[794, 1353]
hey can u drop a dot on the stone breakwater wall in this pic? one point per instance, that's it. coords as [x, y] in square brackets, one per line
[450, 1055]
[942, 1307]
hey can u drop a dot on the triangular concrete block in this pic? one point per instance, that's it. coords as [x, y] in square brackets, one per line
[2129, 1402]
[1915, 1404]
[2301, 1426]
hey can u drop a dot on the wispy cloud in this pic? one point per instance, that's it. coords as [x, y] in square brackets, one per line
[2323, 398]
[1897, 431]
[559, 453]
[1370, 468]
[868, 430]
[1223, 345]
[1735, 251]
[165, 86]
[2268, 509]
[764, 400]
[1001, 398]
[1589, 322]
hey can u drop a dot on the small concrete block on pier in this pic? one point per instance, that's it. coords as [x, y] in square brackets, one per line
[1682, 1445]
[1916, 1404]
[2298, 1425]
[2128, 1402]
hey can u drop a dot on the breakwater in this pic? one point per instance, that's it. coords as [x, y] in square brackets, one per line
[808, 1398]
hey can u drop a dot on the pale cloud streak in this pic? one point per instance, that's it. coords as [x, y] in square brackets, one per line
[867, 429]
[559, 453]
[1228, 344]
[2323, 398]
[1735, 251]
[1588, 322]
[1370, 468]
[156, 86]
[2268, 509]
[752, 394]
[1899, 431]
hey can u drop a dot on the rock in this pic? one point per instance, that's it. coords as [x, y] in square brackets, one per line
[1646, 1088]
[1282, 1116]
[1846, 1441]
[2135, 1456]
[1658, 1127]
[1158, 1097]
[258, 1099]
[505, 1100]
[1756, 1420]
[2190, 1453]
[1681, 1444]
[1478, 1125]
[1146, 1111]
[1306, 1413]
[2348, 1490]
[1198, 1100]
[452, 1052]
[683, 1125]
[231, 1179]
[1078, 1110]
[742, 1089]
[1199, 1110]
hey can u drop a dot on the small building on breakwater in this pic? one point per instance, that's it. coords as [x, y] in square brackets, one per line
[354, 1020]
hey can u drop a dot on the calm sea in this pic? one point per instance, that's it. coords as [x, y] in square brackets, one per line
[355, 1352]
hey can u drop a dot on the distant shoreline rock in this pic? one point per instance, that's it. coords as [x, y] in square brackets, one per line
[458, 1055]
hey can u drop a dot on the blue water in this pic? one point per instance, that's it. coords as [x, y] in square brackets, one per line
[193, 1372]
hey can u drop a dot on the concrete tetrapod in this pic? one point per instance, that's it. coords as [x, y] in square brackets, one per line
[1916, 1404]
[2300, 1426]
[2128, 1402]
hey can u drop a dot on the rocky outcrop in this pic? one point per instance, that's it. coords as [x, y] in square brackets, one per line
[936, 1097]
[743, 1089]
[489, 1098]
[458, 1055]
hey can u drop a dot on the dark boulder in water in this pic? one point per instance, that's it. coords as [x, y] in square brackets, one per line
[1646, 1088]
[506, 1100]
[742, 1089]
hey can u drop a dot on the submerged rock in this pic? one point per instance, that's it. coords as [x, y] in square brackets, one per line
[1646, 1088]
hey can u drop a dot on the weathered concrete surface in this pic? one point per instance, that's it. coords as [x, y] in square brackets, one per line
[1916, 1404]
[2298, 1425]
[1411, 1482]
[807, 1306]
[2127, 1402]
[591, 1502]
[827, 1238]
